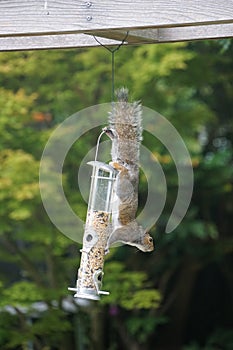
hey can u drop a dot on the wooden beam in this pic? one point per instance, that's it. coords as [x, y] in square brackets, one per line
[28, 17]
[160, 35]
[172, 34]
[34, 24]
[214, 31]
[141, 36]
[62, 41]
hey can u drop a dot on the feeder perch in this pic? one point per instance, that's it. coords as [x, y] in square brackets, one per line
[96, 233]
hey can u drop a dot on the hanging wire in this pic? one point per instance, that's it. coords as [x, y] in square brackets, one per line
[113, 59]
[97, 144]
[113, 79]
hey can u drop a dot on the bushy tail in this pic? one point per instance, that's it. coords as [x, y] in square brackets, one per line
[125, 120]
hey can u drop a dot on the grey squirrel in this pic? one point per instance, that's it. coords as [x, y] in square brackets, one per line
[125, 131]
[132, 234]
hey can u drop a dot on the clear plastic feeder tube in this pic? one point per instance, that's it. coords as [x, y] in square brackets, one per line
[96, 233]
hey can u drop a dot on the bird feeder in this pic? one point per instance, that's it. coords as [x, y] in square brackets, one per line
[96, 233]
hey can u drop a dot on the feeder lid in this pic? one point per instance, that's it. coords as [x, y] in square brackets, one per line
[102, 166]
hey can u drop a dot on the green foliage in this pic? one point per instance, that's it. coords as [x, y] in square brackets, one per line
[142, 326]
[131, 290]
[51, 75]
[52, 325]
[7, 322]
[143, 299]
[220, 339]
[191, 85]
[155, 63]
[19, 188]
[22, 293]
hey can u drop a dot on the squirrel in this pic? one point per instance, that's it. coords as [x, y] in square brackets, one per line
[125, 131]
[132, 234]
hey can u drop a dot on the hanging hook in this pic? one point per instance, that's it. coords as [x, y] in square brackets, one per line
[116, 48]
[97, 144]
[113, 58]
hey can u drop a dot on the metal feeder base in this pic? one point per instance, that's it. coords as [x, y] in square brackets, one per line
[85, 294]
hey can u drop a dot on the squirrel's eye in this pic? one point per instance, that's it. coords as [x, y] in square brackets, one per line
[150, 239]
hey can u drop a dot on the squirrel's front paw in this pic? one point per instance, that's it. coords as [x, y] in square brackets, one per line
[111, 133]
[118, 165]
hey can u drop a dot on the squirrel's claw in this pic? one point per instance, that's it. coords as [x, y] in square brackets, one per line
[110, 132]
[106, 250]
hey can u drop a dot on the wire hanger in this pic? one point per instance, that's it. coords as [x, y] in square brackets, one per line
[113, 59]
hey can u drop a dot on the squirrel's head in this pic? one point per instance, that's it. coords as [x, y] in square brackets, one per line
[148, 244]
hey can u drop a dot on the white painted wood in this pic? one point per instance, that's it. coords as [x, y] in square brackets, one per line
[76, 16]
[26, 25]
[138, 37]
[41, 42]
[172, 34]
[142, 36]
[214, 31]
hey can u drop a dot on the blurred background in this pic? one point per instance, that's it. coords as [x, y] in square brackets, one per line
[181, 295]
